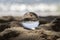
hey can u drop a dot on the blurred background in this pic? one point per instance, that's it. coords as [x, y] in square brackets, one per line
[20, 7]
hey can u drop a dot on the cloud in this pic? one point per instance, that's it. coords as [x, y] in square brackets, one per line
[42, 7]
[3, 7]
[22, 8]
[18, 7]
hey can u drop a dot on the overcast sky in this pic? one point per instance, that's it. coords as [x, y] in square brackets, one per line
[11, 7]
[31, 1]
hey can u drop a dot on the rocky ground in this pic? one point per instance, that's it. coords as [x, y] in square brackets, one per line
[11, 29]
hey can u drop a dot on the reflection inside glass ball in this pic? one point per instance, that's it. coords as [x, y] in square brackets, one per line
[30, 24]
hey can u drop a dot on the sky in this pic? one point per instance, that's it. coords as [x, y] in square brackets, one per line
[13, 7]
[31, 1]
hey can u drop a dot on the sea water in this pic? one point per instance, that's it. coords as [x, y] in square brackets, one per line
[30, 24]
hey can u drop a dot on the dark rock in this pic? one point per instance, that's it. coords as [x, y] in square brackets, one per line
[5, 19]
[4, 26]
[11, 29]
[56, 27]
